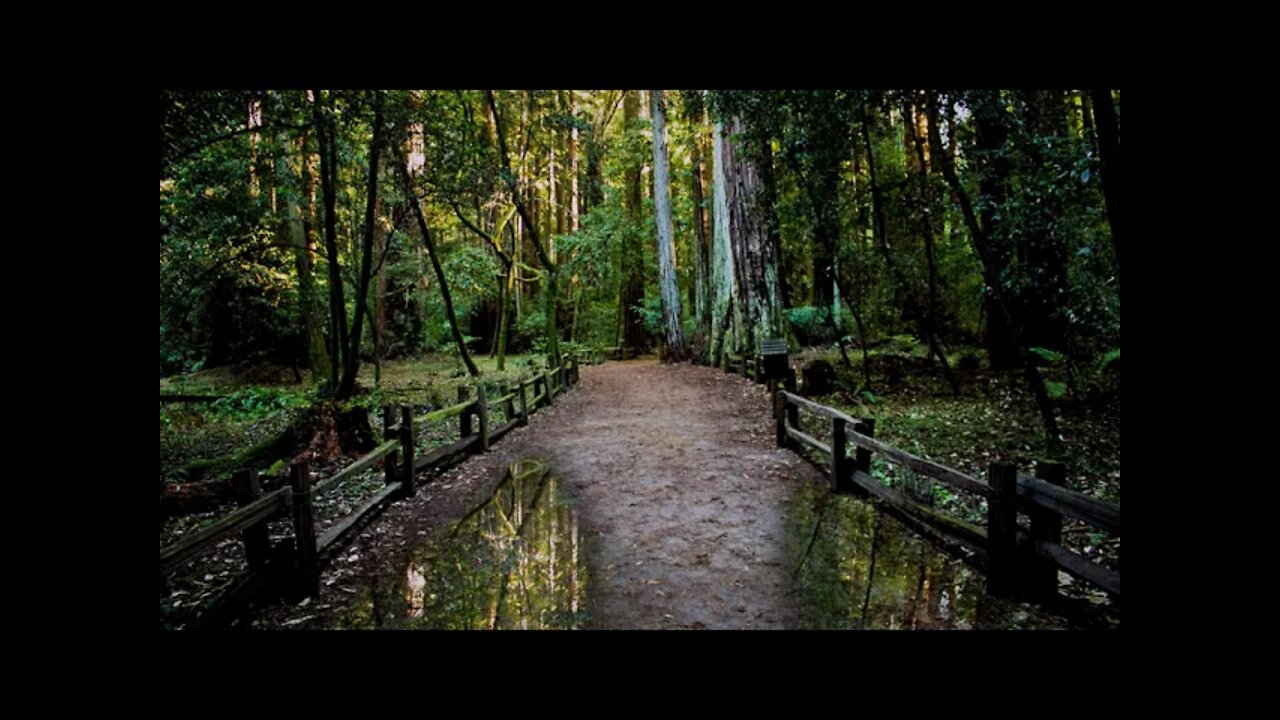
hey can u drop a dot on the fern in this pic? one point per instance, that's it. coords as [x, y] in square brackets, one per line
[1050, 357]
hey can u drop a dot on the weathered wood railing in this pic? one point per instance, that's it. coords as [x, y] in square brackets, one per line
[1015, 560]
[293, 567]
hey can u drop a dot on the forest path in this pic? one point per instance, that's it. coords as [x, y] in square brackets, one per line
[680, 491]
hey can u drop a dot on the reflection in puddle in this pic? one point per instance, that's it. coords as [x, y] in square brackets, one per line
[865, 570]
[512, 562]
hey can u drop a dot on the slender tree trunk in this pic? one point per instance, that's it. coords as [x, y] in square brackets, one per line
[550, 300]
[328, 182]
[666, 241]
[574, 200]
[702, 280]
[1104, 111]
[991, 270]
[352, 365]
[411, 194]
[926, 223]
[632, 267]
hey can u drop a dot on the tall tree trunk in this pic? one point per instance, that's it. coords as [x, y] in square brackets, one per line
[291, 224]
[574, 200]
[773, 229]
[1042, 251]
[317, 353]
[926, 223]
[666, 231]
[702, 249]
[412, 195]
[993, 264]
[550, 299]
[328, 188]
[756, 259]
[1104, 112]
[632, 267]
[352, 365]
[992, 133]
[722, 274]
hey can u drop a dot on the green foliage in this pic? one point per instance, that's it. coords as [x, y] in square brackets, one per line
[256, 402]
[1050, 357]
[810, 324]
[651, 313]
[531, 330]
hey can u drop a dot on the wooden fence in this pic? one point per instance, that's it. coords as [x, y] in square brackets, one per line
[292, 567]
[1016, 560]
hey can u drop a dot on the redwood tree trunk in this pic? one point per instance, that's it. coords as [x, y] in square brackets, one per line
[666, 242]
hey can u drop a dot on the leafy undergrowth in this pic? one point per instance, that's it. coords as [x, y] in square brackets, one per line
[994, 417]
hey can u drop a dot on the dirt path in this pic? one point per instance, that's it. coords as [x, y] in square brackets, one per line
[680, 492]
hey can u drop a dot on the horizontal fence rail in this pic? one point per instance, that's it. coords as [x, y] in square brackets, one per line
[1017, 561]
[295, 565]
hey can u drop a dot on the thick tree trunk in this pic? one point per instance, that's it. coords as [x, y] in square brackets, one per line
[666, 241]
[722, 273]
[756, 258]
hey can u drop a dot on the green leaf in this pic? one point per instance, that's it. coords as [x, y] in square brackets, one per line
[1055, 389]
[1050, 357]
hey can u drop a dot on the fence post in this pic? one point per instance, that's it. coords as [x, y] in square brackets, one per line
[1002, 527]
[257, 546]
[524, 405]
[464, 420]
[839, 462]
[408, 442]
[546, 388]
[755, 371]
[1046, 526]
[793, 412]
[389, 465]
[563, 380]
[306, 578]
[388, 419]
[509, 405]
[482, 409]
[862, 456]
[780, 417]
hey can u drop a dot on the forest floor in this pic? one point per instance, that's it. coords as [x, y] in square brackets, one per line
[678, 485]
[690, 516]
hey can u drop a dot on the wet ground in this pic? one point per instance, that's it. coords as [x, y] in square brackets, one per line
[663, 485]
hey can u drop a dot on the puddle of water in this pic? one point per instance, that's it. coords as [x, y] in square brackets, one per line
[865, 570]
[512, 563]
